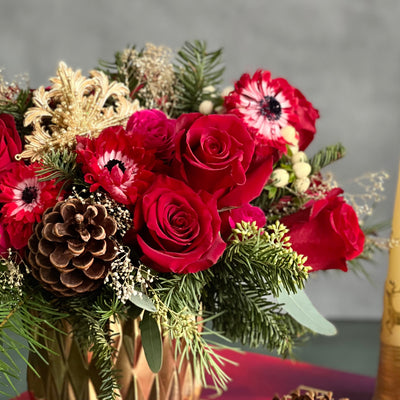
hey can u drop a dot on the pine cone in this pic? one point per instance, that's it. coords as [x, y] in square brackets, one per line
[71, 249]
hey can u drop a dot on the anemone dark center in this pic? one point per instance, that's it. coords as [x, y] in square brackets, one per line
[113, 163]
[29, 194]
[270, 108]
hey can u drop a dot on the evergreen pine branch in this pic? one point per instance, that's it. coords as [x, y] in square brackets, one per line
[248, 277]
[181, 291]
[61, 166]
[327, 156]
[195, 69]
[26, 316]
[189, 332]
[90, 319]
[266, 258]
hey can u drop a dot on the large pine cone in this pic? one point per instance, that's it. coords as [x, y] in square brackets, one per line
[71, 249]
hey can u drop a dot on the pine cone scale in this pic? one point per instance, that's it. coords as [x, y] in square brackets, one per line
[83, 261]
[71, 279]
[45, 247]
[61, 256]
[97, 271]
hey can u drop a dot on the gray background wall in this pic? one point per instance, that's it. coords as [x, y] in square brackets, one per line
[344, 56]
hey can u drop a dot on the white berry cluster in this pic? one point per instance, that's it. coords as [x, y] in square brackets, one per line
[207, 107]
[300, 167]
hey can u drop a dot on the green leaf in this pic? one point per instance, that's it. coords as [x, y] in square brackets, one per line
[299, 306]
[151, 341]
[143, 301]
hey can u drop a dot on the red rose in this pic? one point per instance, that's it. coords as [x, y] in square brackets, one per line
[10, 142]
[326, 231]
[156, 130]
[178, 229]
[307, 116]
[215, 153]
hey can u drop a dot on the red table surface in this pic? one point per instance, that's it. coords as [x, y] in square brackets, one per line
[260, 377]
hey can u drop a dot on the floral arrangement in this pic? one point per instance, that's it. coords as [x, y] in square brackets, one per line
[146, 190]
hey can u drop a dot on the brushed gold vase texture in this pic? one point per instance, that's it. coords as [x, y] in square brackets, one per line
[70, 373]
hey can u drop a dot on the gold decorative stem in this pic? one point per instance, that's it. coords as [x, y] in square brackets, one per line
[388, 379]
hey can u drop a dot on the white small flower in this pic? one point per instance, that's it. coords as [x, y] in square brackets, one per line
[294, 149]
[225, 92]
[301, 169]
[206, 107]
[209, 89]
[301, 185]
[280, 178]
[290, 135]
[300, 156]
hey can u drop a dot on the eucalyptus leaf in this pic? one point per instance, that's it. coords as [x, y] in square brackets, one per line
[299, 306]
[144, 302]
[151, 341]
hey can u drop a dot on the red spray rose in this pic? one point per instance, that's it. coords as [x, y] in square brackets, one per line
[116, 162]
[326, 231]
[10, 142]
[215, 153]
[156, 130]
[178, 229]
[246, 213]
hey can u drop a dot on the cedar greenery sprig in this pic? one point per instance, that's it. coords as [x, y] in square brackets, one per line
[190, 331]
[250, 274]
[196, 68]
[91, 329]
[327, 156]
[61, 166]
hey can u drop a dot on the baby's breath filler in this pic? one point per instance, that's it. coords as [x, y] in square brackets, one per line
[12, 272]
[126, 279]
[372, 187]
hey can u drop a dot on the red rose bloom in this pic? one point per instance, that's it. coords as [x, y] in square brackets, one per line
[116, 162]
[10, 142]
[267, 105]
[215, 153]
[178, 229]
[24, 200]
[156, 130]
[326, 231]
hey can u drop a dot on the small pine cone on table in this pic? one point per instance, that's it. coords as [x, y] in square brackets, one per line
[72, 248]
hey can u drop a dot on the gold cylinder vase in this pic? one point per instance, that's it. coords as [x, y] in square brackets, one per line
[67, 372]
